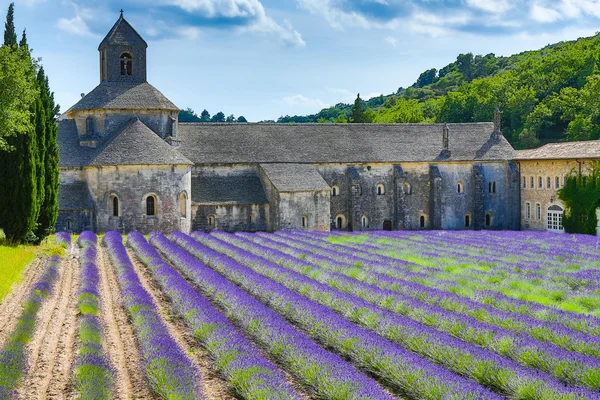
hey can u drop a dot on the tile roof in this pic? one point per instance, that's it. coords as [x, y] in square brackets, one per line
[561, 151]
[135, 144]
[231, 189]
[74, 197]
[295, 177]
[124, 96]
[338, 143]
[122, 34]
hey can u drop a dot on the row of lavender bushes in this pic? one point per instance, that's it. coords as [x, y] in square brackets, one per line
[12, 357]
[170, 373]
[247, 372]
[92, 372]
[327, 375]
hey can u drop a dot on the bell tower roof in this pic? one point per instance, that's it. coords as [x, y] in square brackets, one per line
[122, 34]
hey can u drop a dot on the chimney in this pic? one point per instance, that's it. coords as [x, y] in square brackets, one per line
[446, 141]
[497, 124]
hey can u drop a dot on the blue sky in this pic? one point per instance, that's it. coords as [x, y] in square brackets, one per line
[267, 58]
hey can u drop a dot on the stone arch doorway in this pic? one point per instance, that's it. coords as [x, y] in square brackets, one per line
[387, 225]
[555, 218]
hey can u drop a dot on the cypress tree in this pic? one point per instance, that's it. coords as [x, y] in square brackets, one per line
[358, 112]
[10, 35]
[49, 206]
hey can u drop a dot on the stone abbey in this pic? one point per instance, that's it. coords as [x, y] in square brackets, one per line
[127, 163]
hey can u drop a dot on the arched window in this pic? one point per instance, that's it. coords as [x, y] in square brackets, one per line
[555, 218]
[548, 183]
[212, 222]
[538, 211]
[407, 188]
[360, 190]
[335, 191]
[69, 224]
[126, 64]
[540, 182]
[365, 222]
[422, 221]
[489, 219]
[531, 183]
[89, 125]
[183, 205]
[460, 187]
[151, 206]
[492, 187]
[380, 189]
[524, 182]
[305, 222]
[468, 221]
[557, 182]
[340, 222]
[114, 204]
[527, 210]
[252, 219]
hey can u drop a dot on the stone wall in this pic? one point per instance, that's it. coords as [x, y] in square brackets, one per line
[544, 196]
[113, 64]
[79, 221]
[132, 185]
[312, 205]
[231, 217]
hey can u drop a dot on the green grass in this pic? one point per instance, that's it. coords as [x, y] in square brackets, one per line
[16, 258]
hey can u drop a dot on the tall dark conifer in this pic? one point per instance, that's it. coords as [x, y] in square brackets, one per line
[358, 112]
[49, 206]
[10, 34]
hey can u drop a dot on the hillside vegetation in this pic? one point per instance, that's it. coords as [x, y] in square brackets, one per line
[546, 95]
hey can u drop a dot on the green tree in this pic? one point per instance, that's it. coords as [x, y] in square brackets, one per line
[49, 110]
[218, 117]
[358, 112]
[205, 116]
[188, 115]
[528, 139]
[581, 197]
[230, 118]
[341, 119]
[427, 78]
[241, 118]
[10, 34]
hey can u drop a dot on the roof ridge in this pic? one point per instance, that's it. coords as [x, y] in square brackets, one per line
[113, 30]
[312, 124]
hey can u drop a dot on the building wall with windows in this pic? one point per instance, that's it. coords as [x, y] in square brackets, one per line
[541, 180]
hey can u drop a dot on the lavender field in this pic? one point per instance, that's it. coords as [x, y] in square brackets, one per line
[298, 315]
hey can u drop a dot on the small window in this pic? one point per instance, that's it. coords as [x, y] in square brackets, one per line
[531, 183]
[528, 211]
[252, 218]
[340, 222]
[69, 224]
[460, 187]
[540, 182]
[524, 182]
[407, 188]
[557, 182]
[212, 224]
[114, 200]
[335, 191]
[468, 221]
[89, 125]
[492, 187]
[151, 206]
[126, 64]
[548, 183]
[565, 181]
[183, 205]
[305, 222]
[360, 190]
[538, 211]
[380, 189]
[422, 221]
[365, 222]
[489, 219]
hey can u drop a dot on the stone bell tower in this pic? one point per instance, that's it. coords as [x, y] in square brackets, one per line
[123, 54]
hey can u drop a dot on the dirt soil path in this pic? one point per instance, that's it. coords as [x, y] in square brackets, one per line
[12, 306]
[120, 342]
[213, 386]
[52, 348]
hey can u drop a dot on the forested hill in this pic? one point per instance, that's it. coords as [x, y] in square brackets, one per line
[548, 95]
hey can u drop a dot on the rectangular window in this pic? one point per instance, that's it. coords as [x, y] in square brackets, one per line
[538, 211]
[565, 181]
[531, 183]
[548, 183]
[540, 182]
[557, 182]
[527, 211]
[524, 182]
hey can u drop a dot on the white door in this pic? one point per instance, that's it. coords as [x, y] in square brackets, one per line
[555, 216]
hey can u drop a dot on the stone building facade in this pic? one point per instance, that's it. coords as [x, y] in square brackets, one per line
[544, 172]
[127, 163]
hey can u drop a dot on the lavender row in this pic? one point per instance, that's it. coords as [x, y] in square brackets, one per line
[402, 370]
[583, 323]
[326, 375]
[249, 374]
[92, 371]
[12, 356]
[571, 368]
[63, 239]
[567, 338]
[492, 370]
[169, 372]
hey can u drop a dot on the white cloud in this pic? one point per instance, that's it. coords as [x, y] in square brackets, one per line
[251, 10]
[542, 14]
[77, 25]
[301, 100]
[391, 41]
[189, 32]
[496, 6]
